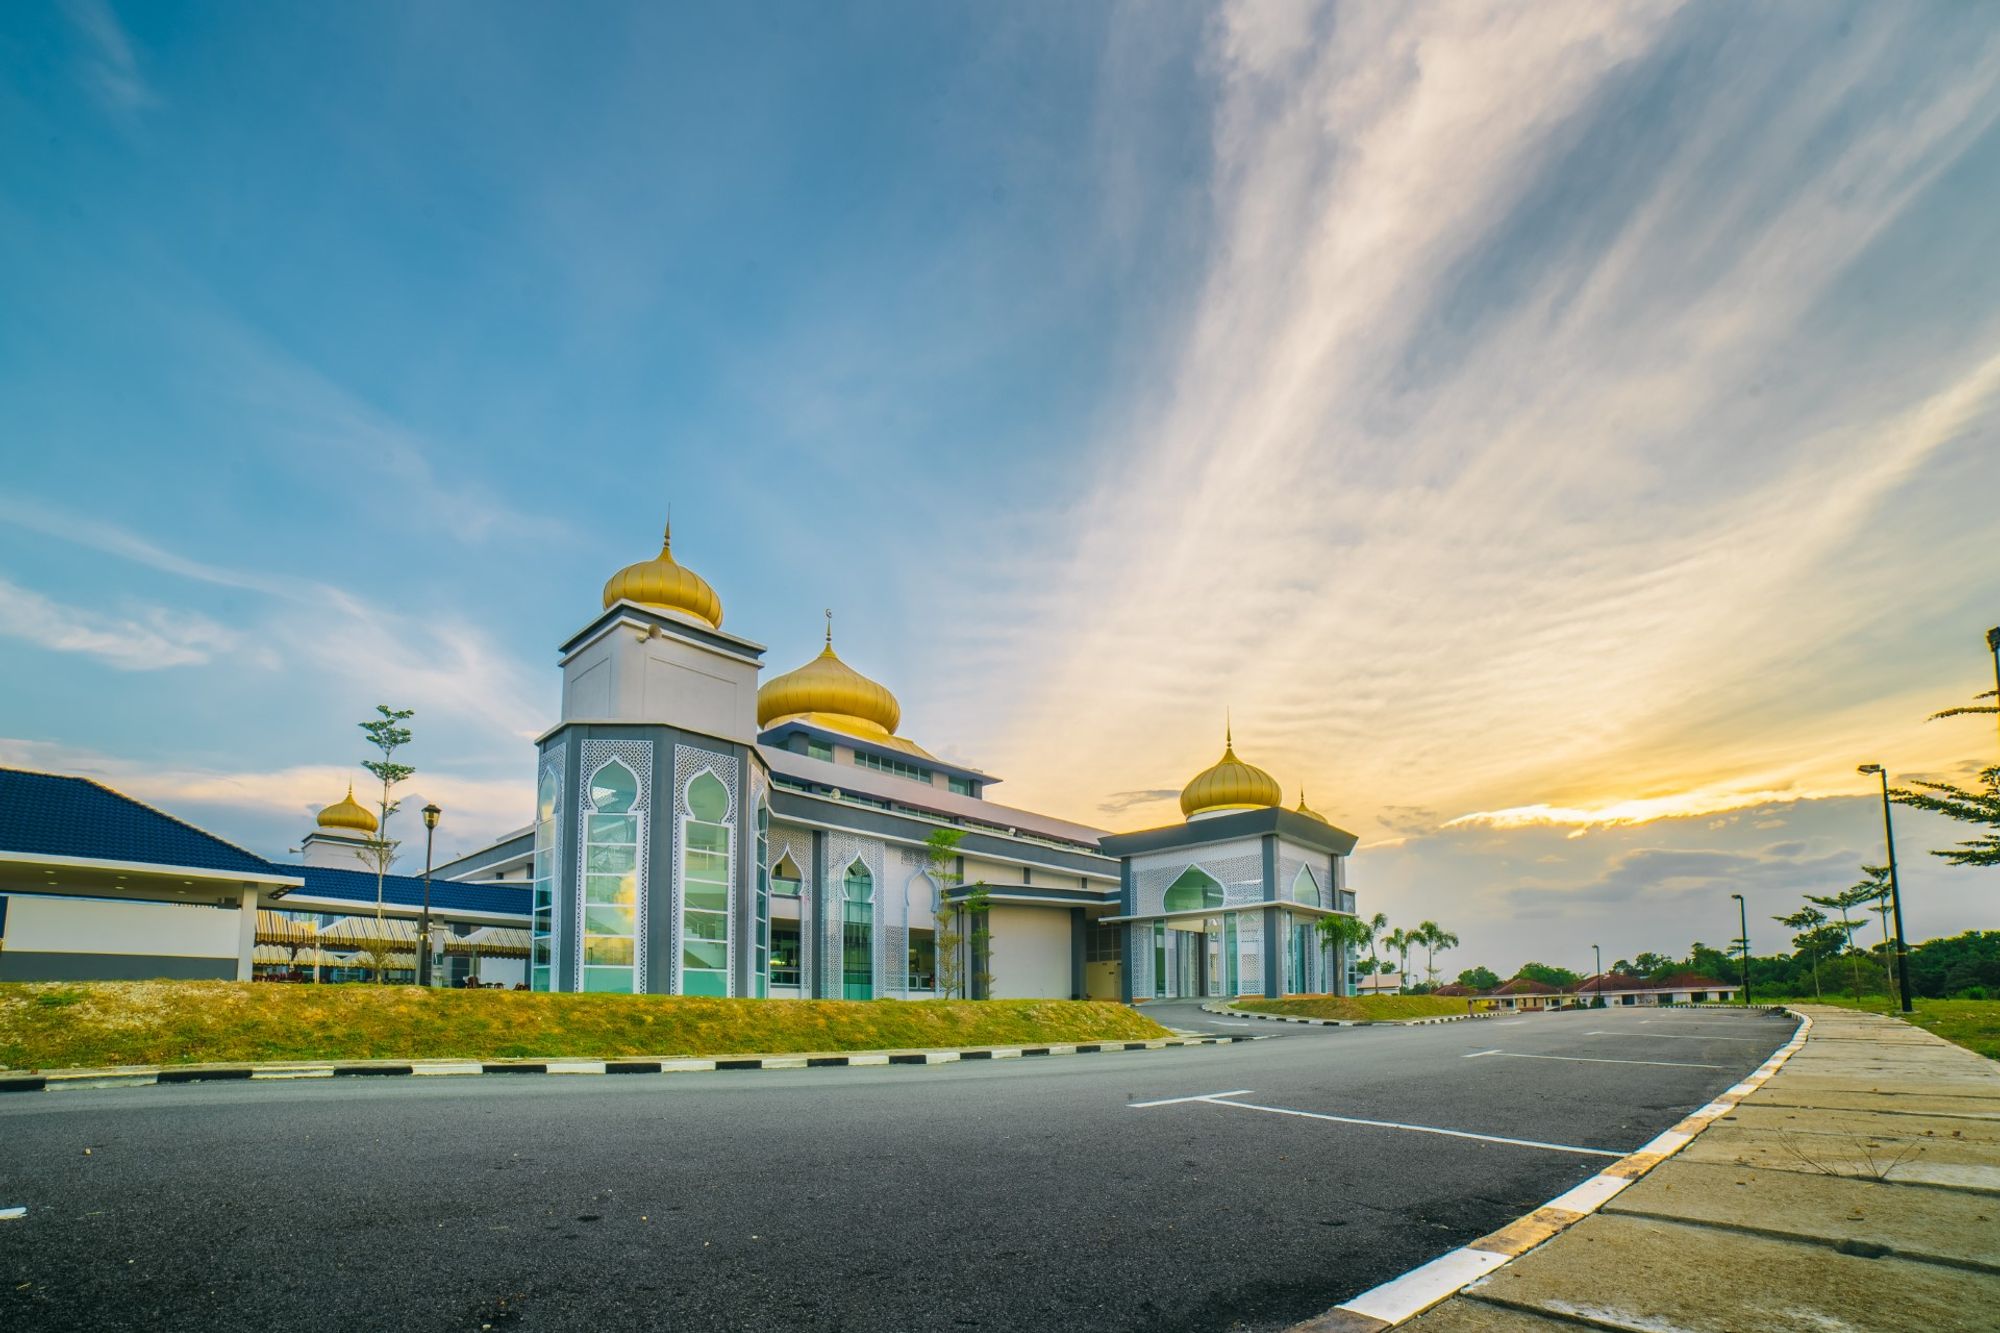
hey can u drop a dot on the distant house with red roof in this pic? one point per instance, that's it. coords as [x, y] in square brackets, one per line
[1622, 989]
[1523, 995]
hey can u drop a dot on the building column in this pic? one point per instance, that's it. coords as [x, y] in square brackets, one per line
[1274, 923]
[1078, 931]
[810, 960]
[1128, 966]
[246, 933]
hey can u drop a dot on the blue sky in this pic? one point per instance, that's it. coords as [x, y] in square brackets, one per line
[1563, 435]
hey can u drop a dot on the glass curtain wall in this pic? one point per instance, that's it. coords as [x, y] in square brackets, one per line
[541, 968]
[857, 934]
[762, 976]
[706, 863]
[611, 879]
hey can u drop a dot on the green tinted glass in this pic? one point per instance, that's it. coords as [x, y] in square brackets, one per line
[614, 828]
[611, 889]
[609, 920]
[608, 980]
[613, 789]
[707, 798]
[608, 951]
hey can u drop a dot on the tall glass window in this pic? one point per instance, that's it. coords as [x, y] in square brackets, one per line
[857, 934]
[541, 975]
[1159, 960]
[785, 876]
[785, 953]
[1195, 888]
[1305, 888]
[611, 879]
[762, 976]
[706, 862]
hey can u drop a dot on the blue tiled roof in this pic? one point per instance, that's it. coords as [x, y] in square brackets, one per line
[51, 814]
[358, 887]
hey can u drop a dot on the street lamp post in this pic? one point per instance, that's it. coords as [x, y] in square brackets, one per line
[431, 813]
[1599, 979]
[1993, 646]
[1895, 888]
[1743, 924]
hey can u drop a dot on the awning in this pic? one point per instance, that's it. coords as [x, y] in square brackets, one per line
[488, 942]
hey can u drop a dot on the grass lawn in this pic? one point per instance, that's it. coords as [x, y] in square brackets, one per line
[70, 1025]
[1379, 1008]
[1973, 1024]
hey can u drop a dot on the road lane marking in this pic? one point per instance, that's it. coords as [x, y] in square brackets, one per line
[1218, 1099]
[1198, 1097]
[1476, 1054]
[1601, 1060]
[1669, 1036]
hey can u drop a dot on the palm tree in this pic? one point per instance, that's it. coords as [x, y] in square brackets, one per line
[1345, 932]
[1436, 940]
[1376, 925]
[1400, 942]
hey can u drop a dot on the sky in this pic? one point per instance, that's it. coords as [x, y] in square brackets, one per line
[1562, 438]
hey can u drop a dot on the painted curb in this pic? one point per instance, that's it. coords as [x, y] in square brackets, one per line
[1340, 1022]
[1404, 1298]
[143, 1077]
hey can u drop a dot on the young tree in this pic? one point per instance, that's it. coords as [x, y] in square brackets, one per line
[941, 863]
[1345, 933]
[386, 733]
[1844, 902]
[1377, 925]
[1807, 921]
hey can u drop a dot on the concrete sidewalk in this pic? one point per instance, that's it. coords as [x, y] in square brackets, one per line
[1858, 1189]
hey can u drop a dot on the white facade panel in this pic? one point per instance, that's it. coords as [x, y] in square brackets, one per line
[1030, 952]
[90, 925]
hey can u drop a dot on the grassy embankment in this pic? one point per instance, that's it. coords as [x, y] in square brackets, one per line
[1973, 1024]
[1365, 1008]
[57, 1025]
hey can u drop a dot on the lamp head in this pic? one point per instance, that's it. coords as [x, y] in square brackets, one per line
[1993, 639]
[1737, 896]
[1870, 769]
[431, 813]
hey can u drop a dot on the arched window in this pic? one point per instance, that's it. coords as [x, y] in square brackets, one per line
[1195, 889]
[1305, 888]
[785, 876]
[611, 880]
[548, 798]
[707, 862]
[613, 789]
[857, 933]
[920, 901]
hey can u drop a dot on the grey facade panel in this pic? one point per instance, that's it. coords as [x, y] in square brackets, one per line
[804, 807]
[1302, 829]
[19, 965]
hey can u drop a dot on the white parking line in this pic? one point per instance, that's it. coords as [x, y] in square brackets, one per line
[1600, 1060]
[1669, 1036]
[1198, 1097]
[1218, 1099]
[13, 1214]
[1494, 1051]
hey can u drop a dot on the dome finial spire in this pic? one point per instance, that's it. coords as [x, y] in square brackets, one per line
[1228, 732]
[829, 627]
[667, 532]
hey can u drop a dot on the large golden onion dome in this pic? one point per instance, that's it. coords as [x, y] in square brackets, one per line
[827, 692]
[664, 582]
[1230, 784]
[348, 813]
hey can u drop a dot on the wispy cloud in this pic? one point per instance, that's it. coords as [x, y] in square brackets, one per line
[155, 641]
[111, 69]
[1520, 443]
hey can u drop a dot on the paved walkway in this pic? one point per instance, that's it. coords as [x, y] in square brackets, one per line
[1858, 1189]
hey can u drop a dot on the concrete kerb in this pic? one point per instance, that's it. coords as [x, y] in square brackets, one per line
[1404, 1298]
[1233, 1012]
[143, 1076]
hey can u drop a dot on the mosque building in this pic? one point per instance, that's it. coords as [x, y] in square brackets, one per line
[699, 830]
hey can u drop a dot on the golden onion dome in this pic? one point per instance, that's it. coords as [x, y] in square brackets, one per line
[348, 813]
[1307, 810]
[1230, 784]
[666, 583]
[828, 692]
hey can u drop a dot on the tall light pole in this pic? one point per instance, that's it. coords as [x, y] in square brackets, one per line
[1895, 888]
[431, 813]
[1743, 924]
[1993, 645]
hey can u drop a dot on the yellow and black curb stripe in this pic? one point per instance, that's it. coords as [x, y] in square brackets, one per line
[142, 1077]
[1340, 1022]
[1404, 1298]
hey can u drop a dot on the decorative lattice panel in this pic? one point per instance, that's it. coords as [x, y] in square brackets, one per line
[797, 844]
[1250, 953]
[1241, 873]
[842, 850]
[637, 756]
[688, 761]
[548, 845]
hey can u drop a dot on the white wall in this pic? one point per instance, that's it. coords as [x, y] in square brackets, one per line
[91, 925]
[1030, 952]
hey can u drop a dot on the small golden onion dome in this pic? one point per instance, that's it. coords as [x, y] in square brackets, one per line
[666, 583]
[348, 813]
[828, 692]
[1230, 785]
[1307, 810]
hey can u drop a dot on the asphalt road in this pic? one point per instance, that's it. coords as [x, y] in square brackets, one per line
[1021, 1194]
